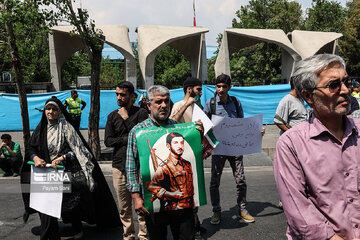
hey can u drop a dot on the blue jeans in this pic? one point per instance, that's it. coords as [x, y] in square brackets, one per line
[237, 166]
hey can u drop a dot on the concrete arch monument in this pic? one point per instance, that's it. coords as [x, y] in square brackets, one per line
[309, 43]
[303, 44]
[62, 45]
[236, 38]
[190, 41]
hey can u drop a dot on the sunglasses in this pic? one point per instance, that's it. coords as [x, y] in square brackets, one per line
[334, 86]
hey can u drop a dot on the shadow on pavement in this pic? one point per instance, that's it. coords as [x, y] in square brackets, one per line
[231, 220]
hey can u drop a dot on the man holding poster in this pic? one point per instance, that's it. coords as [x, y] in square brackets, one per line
[226, 106]
[148, 162]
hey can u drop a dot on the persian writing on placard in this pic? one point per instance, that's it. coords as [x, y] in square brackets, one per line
[237, 136]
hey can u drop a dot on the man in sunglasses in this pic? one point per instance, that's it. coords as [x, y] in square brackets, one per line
[316, 164]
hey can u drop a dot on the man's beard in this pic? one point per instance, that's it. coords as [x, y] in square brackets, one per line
[177, 154]
[192, 94]
[162, 117]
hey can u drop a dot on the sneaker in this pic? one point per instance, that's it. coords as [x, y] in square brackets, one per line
[216, 218]
[7, 174]
[246, 217]
[36, 230]
[16, 175]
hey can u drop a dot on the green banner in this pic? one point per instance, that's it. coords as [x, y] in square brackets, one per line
[171, 167]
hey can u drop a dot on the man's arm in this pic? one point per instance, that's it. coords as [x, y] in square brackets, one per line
[304, 219]
[281, 126]
[177, 114]
[83, 105]
[282, 111]
[132, 175]
[11, 152]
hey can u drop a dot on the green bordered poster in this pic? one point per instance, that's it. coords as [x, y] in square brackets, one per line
[171, 167]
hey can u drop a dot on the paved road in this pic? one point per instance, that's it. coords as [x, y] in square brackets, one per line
[262, 203]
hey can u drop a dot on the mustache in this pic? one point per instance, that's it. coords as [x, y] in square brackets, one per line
[164, 109]
[345, 98]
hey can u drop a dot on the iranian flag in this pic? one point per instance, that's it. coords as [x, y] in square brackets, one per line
[171, 167]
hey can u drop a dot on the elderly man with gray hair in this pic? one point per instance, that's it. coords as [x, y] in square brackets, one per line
[317, 162]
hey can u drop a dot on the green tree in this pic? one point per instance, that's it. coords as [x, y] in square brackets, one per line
[77, 65]
[94, 43]
[350, 43]
[325, 16]
[171, 68]
[21, 20]
[261, 63]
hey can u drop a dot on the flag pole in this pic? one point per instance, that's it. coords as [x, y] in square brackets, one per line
[194, 13]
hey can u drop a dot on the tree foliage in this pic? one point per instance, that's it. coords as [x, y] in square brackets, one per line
[261, 63]
[22, 25]
[171, 68]
[350, 43]
[325, 16]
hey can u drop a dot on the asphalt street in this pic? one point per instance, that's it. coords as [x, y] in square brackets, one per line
[262, 203]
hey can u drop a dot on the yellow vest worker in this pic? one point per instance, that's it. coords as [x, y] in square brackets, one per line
[73, 104]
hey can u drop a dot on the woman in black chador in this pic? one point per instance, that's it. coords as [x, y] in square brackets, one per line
[55, 141]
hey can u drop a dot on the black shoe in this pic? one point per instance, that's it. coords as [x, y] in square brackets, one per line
[7, 174]
[73, 236]
[197, 236]
[36, 230]
[26, 216]
[16, 175]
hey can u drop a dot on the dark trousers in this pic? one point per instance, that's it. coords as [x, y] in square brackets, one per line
[237, 166]
[76, 121]
[49, 228]
[181, 224]
[10, 165]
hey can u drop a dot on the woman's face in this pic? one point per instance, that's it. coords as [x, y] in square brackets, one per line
[51, 112]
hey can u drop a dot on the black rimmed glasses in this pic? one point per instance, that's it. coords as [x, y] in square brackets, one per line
[335, 85]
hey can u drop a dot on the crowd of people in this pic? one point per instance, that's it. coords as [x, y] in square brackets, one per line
[316, 167]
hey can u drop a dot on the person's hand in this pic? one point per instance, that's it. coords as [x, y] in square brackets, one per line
[263, 131]
[39, 163]
[139, 205]
[177, 194]
[336, 237]
[123, 113]
[190, 101]
[3, 145]
[200, 127]
[57, 162]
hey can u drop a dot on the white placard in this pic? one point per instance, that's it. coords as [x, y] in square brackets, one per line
[237, 136]
[45, 192]
[198, 114]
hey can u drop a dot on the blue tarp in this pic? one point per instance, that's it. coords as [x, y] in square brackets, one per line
[255, 100]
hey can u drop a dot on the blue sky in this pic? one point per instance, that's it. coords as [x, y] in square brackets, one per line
[215, 15]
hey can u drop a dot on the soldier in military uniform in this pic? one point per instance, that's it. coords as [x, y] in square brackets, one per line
[173, 179]
[73, 104]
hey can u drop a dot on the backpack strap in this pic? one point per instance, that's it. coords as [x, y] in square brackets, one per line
[234, 99]
[212, 106]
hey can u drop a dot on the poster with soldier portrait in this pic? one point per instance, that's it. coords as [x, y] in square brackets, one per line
[171, 167]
